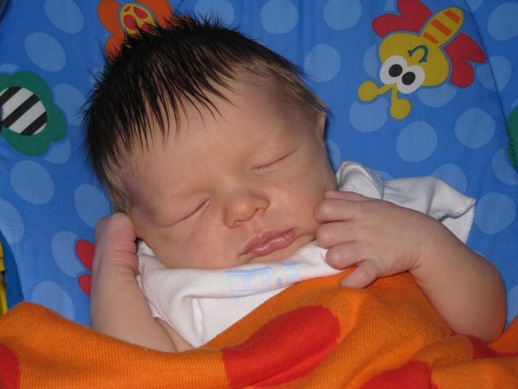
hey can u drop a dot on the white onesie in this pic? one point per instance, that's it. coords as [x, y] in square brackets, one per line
[200, 304]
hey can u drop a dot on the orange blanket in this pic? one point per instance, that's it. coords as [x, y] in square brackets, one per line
[313, 335]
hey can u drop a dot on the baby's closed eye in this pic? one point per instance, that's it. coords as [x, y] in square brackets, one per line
[181, 213]
[275, 162]
[194, 210]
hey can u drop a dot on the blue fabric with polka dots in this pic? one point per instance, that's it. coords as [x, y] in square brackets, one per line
[453, 127]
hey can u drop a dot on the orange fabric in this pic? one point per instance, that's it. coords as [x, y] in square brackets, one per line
[313, 333]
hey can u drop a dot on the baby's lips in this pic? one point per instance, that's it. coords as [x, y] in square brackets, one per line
[269, 242]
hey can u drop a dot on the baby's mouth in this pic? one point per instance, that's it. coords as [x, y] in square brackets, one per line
[269, 242]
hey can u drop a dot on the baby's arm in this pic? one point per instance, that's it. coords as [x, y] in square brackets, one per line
[117, 306]
[384, 239]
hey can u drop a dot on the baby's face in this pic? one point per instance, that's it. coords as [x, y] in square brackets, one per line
[234, 186]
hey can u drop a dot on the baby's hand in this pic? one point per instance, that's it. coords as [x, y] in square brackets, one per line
[379, 237]
[115, 241]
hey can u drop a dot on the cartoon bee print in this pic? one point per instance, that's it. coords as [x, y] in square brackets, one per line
[417, 51]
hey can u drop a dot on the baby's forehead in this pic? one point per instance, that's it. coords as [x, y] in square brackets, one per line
[242, 84]
[178, 123]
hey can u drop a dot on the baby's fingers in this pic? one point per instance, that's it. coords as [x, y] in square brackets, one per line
[339, 206]
[331, 210]
[335, 233]
[365, 274]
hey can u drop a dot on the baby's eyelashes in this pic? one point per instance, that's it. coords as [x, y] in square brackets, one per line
[275, 161]
[195, 210]
[181, 214]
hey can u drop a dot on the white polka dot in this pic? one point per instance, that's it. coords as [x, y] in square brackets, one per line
[72, 23]
[486, 77]
[279, 16]
[342, 14]
[453, 175]
[502, 24]
[45, 52]
[369, 117]
[475, 128]
[11, 222]
[53, 296]
[494, 213]
[437, 97]
[473, 4]
[371, 62]
[335, 156]
[32, 182]
[63, 249]
[502, 71]
[91, 204]
[9, 68]
[59, 153]
[323, 63]
[416, 142]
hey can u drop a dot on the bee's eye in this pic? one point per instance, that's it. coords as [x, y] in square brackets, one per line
[395, 70]
[392, 69]
[408, 78]
[411, 80]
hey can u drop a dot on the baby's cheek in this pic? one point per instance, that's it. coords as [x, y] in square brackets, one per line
[203, 251]
[166, 251]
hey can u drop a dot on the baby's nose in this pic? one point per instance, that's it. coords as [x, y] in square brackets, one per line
[244, 205]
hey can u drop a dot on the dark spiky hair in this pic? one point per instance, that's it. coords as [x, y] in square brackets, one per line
[157, 72]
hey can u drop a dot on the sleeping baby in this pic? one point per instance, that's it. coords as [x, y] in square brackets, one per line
[212, 150]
